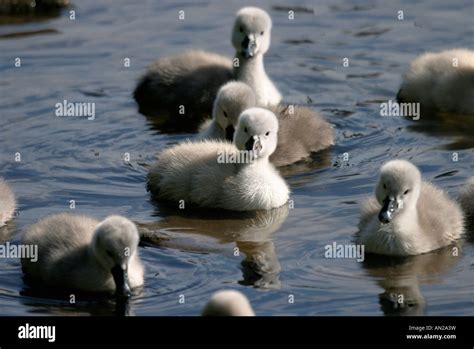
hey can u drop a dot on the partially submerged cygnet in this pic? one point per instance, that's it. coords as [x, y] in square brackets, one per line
[301, 132]
[441, 82]
[218, 174]
[228, 303]
[184, 86]
[7, 203]
[80, 253]
[408, 216]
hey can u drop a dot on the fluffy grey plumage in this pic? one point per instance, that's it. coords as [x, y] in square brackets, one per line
[302, 132]
[191, 79]
[438, 84]
[7, 203]
[228, 303]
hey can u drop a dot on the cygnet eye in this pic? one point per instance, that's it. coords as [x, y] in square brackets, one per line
[261, 33]
[406, 192]
[245, 130]
[268, 132]
[110, 254]
[225, 114]
[384, 186]
[241, 29]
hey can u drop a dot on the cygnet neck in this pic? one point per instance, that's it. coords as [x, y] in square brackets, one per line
[250, 70]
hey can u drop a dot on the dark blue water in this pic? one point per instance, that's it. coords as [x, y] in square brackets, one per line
[281, 253]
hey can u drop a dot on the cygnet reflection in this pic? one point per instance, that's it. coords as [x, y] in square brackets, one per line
[206, 231]
[401, 278]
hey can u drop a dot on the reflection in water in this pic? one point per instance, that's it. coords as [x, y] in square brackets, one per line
[459, 127]
[24, 11]
[251, 231]
[54, 302]
[21, 34]
[260, 267]
[307, 167]
[401, 277]
[20, 7]
[169, 122]
[402, 297]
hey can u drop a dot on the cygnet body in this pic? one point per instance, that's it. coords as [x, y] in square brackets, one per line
[228, 303]
[301, 131]
[408, 216]
[218, 174]
[441, 82]
[7, 203]
[80, 253]
[190, 80]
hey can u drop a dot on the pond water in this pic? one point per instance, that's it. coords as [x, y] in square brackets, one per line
[280, 264]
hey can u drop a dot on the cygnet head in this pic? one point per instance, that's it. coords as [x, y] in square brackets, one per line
[114, 243]
[231, 100]
[398, 188]
[228, 303]
[251, 32]
[257, 130]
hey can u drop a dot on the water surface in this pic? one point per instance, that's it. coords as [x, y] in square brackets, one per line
[268, 256]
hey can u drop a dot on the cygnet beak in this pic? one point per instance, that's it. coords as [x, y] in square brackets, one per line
[122, 285]
[389, 209]
[249, 47]
[254, 144]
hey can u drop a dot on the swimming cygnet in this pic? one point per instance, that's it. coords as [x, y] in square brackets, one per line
[81, 253]
[441, 81]
[467, 200]
[7, 203]
[301, 132]
[228, 303]
[231, 100]
[218, 174]
[408, 216]
[192, 79]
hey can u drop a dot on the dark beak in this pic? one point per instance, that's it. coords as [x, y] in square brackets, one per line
[390, 207]
[253, 145]
[229, 133]
[248, 47]
[250, 143]
[122, 287]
